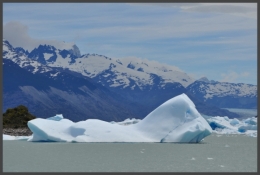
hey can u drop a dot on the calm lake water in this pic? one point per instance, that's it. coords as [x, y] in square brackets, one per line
[245, 113]
[216, 153]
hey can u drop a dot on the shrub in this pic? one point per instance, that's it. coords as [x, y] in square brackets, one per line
[17, 117]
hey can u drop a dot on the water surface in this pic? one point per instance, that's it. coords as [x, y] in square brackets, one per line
[216, 153]
[244, 113]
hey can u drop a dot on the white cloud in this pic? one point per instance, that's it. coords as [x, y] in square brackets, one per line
[197, 75]
[229, 77]
[17, 34]
[248, 10]
[126, 26]
[232, 76]
[245, 74]
[239, 9]
[192, 36]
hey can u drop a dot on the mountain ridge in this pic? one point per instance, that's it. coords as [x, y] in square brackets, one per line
[141, 82]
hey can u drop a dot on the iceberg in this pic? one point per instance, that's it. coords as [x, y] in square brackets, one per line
[224, 125]
[8, 137]
[58, 117]
[127, 121]
[176, 120]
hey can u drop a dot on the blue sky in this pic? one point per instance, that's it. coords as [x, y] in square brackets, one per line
[216, 40]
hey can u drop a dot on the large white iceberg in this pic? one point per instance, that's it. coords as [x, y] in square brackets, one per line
[176, 120]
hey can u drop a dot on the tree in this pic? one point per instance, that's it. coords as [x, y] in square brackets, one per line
[17, 117]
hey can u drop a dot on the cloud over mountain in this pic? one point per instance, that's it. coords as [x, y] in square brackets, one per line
[18, 34]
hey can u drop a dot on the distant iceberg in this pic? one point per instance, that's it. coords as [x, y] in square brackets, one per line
[8, 137]
[225, 125]
[176, 120]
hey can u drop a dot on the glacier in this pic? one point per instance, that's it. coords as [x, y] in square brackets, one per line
[176, 120]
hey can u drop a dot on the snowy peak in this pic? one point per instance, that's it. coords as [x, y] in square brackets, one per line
[6, 45]
[46, 54]
[124, 73]
[43, 53]
[135, 78]
[136, 63]
[224, 94]
[128, 73]
[204, 79]
[168, 73]
[222, 89]
[75, 51]
[12, 53]
[21, 51]
[20, 56]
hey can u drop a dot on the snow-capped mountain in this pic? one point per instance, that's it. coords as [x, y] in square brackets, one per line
[20, 57]
[126, 73]
[143, 82]
[74, 95]
[224, 94]
[130, 78]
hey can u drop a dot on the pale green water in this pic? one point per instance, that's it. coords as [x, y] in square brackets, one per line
[226, 153]
[244, 113]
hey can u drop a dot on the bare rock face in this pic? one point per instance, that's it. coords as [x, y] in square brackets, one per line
[75, 51]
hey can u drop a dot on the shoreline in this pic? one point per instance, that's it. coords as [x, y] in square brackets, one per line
[17, 131]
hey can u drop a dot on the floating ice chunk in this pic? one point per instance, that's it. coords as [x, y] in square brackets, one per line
[209, 158]
[251, 133]
[50, 130]
[9, 137]
[226, 118]
[58, 117]
[234, 121]
[176, 120]
[251, 121]
[244, 128]
[220, 122]
[221, 125]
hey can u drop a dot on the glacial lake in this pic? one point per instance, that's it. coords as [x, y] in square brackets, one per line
[216, 153]
[245, 113]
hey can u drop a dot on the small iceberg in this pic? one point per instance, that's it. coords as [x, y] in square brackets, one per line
[224, 125]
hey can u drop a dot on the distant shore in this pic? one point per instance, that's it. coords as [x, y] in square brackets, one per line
[17, 131]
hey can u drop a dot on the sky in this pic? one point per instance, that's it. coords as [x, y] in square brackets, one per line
[215, 40]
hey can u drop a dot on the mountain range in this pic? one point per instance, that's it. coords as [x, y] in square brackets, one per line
[51, 80]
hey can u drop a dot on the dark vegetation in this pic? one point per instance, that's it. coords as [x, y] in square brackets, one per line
[17, 117]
